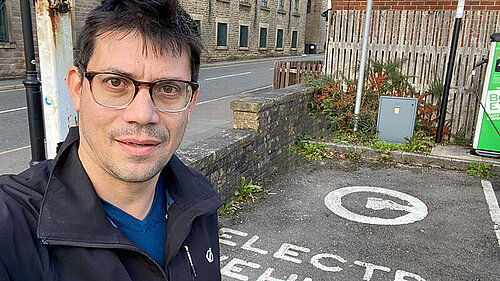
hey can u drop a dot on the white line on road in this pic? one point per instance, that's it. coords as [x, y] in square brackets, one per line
[242, 93]
[15, 149]
[226, 76]
[492, 201]
[13, 109]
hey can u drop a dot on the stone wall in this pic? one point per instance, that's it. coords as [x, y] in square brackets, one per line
[265, 124]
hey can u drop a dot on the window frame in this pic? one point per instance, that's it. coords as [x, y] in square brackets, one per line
[217, 46]
[281, 6]
[296, 6]
[248, 36]
[262, 26]
[296, 40]
[278, 28]
[9, 42]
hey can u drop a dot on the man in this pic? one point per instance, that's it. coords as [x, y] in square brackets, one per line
[109, 206]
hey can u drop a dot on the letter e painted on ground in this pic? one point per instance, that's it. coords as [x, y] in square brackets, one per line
[315, 260]
[285, 252]
[232, 270]
[248, 246]
[224, 233]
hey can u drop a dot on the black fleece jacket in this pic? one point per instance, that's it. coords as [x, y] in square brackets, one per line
[53, 226]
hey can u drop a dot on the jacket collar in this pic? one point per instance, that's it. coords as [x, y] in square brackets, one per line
[72, 213]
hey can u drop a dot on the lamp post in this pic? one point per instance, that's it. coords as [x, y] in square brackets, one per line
[32, 85]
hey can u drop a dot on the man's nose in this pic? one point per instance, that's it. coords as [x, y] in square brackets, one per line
[142, 109]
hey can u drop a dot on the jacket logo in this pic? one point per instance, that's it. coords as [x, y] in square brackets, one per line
[209, 255]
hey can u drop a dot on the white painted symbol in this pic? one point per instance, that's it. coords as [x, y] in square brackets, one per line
[209, 255]
[416, 209]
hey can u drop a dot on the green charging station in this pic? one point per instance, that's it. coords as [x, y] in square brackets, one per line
[487, 137]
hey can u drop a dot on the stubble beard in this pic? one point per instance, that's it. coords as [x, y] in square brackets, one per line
[123, 171]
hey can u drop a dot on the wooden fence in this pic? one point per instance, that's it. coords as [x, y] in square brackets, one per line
[287, 73]
[422, 40]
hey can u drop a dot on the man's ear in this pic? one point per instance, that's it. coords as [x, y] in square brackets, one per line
[74, 84]
[193, 103]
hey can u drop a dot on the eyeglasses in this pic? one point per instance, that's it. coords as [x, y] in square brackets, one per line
[115, 90]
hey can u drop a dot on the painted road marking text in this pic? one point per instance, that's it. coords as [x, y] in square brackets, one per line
[326, 262]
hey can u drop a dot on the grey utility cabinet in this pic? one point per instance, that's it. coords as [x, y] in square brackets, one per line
[396, 118]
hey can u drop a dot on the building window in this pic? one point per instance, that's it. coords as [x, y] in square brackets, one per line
[296, 7]
[264, 4]
[243, 36]
[281, 5]
[221, 34]
[263, 37]
[279, 39]
[294, 39]
[4, 23]
[198, 25]
[308, 6]
[244, 2]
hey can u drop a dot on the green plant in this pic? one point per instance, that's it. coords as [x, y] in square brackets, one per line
[336, 99]
[421, 142]
[480, 169]
[385, 158]
[353, 155]
[244, 193]
[310, 150]
[382, 145]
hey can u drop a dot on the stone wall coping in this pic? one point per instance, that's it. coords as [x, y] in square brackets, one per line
[266, 100]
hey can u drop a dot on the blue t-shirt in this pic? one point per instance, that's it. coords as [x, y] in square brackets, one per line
[149, 234]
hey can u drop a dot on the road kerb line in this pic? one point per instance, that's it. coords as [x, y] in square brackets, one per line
[15, 149]
[492, 201]
[13, 109]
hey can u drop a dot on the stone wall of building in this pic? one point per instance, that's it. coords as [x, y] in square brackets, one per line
[265, 125]
[316, 25]
[12, 52]
[249, 13]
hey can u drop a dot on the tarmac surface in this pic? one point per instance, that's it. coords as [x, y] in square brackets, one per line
[361, 220]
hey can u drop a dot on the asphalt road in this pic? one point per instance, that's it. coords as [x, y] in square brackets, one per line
[401, 223]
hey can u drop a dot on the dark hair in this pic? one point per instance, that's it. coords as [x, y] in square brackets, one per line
[163, 24]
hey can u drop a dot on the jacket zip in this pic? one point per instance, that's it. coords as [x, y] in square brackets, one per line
[190, 260]
[107, 246]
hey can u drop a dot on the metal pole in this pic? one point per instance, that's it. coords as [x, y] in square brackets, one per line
[362, 65]
[55, 42]
[449, 69]
[32, 85]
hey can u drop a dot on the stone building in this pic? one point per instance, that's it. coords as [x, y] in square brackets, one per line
[231, 29]
[316, 25]
[238, 29]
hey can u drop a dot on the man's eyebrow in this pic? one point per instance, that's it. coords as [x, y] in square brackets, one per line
[131, 75]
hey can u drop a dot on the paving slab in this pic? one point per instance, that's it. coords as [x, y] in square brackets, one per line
[381, 223]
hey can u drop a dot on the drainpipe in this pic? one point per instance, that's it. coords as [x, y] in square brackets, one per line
[32, 85]
[290, 15]
[255, 21]
[55, 42]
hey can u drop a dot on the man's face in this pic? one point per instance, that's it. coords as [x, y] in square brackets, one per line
[131, 144]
